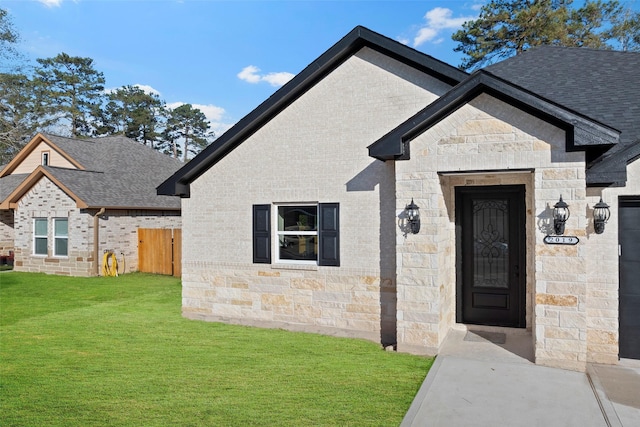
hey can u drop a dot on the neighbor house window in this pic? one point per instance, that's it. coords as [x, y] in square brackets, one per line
[306, 234]
[61, 237]
[40, 239]
[45, 158]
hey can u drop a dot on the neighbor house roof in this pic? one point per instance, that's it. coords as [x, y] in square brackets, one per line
[358, 38]
[594, 95]
[110, 172]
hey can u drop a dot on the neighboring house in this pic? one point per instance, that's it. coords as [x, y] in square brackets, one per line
[296, 218]
[64, 202]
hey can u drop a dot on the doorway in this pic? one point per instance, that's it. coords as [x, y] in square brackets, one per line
[490, 255]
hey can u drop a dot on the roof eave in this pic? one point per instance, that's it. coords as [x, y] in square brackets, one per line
[581, 131]
[359, 37]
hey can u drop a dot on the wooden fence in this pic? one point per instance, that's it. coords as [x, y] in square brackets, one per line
[160, 251]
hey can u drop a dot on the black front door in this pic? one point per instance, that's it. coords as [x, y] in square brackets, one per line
[490, 255]
[629, 239]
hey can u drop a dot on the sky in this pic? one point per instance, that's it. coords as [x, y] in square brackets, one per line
[223, 57]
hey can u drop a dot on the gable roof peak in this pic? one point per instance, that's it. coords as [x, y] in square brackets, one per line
[349, 45]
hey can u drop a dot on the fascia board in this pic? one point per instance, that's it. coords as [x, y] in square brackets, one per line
[358, 38]
[35, 176]
[581, 131]
[29, 147]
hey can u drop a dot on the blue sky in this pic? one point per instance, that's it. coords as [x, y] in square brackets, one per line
[224, 57]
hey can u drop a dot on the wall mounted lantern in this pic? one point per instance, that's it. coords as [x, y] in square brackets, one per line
[601, 215]
[413, 216]
[560, 216]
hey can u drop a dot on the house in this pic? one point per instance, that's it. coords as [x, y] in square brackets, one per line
[65, 201]
[302, 216]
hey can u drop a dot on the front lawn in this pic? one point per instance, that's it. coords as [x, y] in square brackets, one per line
[116, 351]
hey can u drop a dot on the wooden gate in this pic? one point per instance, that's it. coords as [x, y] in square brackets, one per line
[160, 251]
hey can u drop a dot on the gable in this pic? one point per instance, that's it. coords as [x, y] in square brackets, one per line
[111, 172]
[40, 174]
[582, 133]
[35, 158]
[357, 39]
[31, 156]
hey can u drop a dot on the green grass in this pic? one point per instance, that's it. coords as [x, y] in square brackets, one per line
[116, 352]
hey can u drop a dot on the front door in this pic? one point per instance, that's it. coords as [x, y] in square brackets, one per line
[490, 255]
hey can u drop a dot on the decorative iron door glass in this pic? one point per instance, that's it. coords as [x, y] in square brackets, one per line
[298, 233]
[490, 243]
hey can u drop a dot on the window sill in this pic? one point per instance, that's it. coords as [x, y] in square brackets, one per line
[307, 267]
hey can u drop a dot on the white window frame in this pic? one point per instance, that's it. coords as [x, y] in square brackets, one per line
[40, 236]
[46, 158]
[60, 237]
[283, 233]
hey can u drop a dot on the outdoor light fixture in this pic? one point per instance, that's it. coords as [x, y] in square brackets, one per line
[601, 215]
[413, 216]
[560, 216]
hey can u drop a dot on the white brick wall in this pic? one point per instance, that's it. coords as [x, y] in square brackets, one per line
[314, 151]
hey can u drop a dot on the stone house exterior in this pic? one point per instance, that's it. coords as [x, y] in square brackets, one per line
[298, 216]
[65, 201]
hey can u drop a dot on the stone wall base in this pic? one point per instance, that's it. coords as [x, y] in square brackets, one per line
[293, 327]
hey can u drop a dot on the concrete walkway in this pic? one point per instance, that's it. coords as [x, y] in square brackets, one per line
[489, 379]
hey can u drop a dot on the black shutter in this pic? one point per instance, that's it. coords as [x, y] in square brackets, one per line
[262, 234]
[329, 234]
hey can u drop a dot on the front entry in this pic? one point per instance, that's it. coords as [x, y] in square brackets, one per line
[490, 255]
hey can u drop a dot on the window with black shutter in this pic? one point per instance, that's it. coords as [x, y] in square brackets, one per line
[305, 234]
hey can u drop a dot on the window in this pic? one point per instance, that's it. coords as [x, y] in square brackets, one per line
[306, 234]
[61, 237]
[40, 239]
[297, 233]
[45, 158]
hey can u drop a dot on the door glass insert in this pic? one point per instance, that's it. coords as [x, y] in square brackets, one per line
[490, 243]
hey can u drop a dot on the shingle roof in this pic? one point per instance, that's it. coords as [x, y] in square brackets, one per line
[601, 84]
[118, 173]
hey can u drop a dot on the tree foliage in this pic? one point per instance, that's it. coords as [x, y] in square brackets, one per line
[65, 95]
[509, 27]
[190, 126]
[69, 88]
[20, 117]
[8, 37]
[134, 113]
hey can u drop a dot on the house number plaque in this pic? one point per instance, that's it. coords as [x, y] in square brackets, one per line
[561, 240]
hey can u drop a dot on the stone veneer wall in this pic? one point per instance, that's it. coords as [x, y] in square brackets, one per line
[6, 231]
[602, 319]
[118, 232]
[489, 135]
[313, 151]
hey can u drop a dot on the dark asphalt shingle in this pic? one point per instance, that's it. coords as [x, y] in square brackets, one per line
[118, 172]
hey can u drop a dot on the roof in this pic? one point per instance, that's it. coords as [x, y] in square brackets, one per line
[112, 172]
[601, 84]
[358, 38]
[593, 94]
[582, 132]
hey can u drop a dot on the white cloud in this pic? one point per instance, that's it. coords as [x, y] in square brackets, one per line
[251, 74]
[212, 112]
[147, 89]
[51, 3]
[437, 20]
